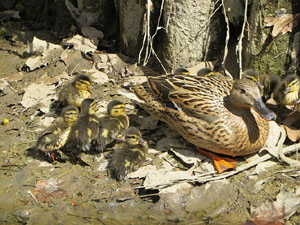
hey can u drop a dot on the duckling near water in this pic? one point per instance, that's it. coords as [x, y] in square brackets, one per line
[85, 132]
[113, 124]
[287, 93]
[128, 154]
[56, 136]
[76, 91]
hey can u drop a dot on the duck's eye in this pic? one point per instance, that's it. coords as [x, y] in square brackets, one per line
[242, 91]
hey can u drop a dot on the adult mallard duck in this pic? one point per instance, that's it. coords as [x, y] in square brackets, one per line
[214, 113]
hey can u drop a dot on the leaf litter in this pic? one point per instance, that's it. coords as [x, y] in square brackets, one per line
[168, 177]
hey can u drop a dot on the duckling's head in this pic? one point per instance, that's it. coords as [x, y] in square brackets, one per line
[88, 106]
[116, 108]
[82, 82]
[181, 71]
[205, 72]
[133, 136]
[291, 84]
[245, 94]
[252, 75]
[70, 114]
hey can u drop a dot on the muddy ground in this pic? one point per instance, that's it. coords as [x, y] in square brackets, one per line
[33, 191]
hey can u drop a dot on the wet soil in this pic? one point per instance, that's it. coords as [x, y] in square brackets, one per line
[88, 195]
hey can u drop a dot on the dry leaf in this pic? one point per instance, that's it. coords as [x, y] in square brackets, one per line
[282, 24]
[45, 189]
[38, 45]
[188, 156]
[275, 212]
[81, 43]
[292, 126]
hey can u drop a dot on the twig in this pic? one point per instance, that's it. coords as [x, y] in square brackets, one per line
[291, 162]
[239, 47]
[211, 177]
[149, 38]
[227, 36]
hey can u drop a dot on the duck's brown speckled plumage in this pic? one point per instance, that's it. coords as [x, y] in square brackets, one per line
[203, 112]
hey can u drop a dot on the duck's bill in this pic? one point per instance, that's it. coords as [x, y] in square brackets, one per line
[259, 85]
[263, 110]
[286, 91]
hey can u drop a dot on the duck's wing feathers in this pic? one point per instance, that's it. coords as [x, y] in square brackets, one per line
[195, 95]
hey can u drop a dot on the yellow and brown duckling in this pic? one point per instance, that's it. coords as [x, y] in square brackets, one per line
[56, 136]
[270, 83]
[85, 132]
[287, 93]
[76, 91]
[217, 114]
[252, 75]
[206, 72]
[266, 83]
[181, 71]
[128, 155]
[113, 124]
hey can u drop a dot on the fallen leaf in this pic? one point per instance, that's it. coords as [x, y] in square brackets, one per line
[275, 212]
[45, 189]
[188, 156]
[69, 56]
[98, 76]
[282, 24]
[81, 43]
[38, 45]
[292, 126]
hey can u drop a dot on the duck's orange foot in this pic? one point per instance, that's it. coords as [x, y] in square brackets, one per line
[222, 164]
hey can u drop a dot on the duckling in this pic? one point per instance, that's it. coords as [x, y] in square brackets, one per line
[252, 75]
[287, 93]
[267, 83]
[75, 92]
[128, 154]
[56, 136]
[113, 124]
[206, 72]
[85, 131]
[270, 83]
[181, 71]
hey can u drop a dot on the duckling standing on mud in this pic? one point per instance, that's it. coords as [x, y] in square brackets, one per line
[128, 155]
[76, 91]
[56, 136]
[113, 124]
[287, 93]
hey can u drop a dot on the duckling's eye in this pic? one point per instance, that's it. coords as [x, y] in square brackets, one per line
[251, 78]
[293, 83]
[131, 137]
[242, 91]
